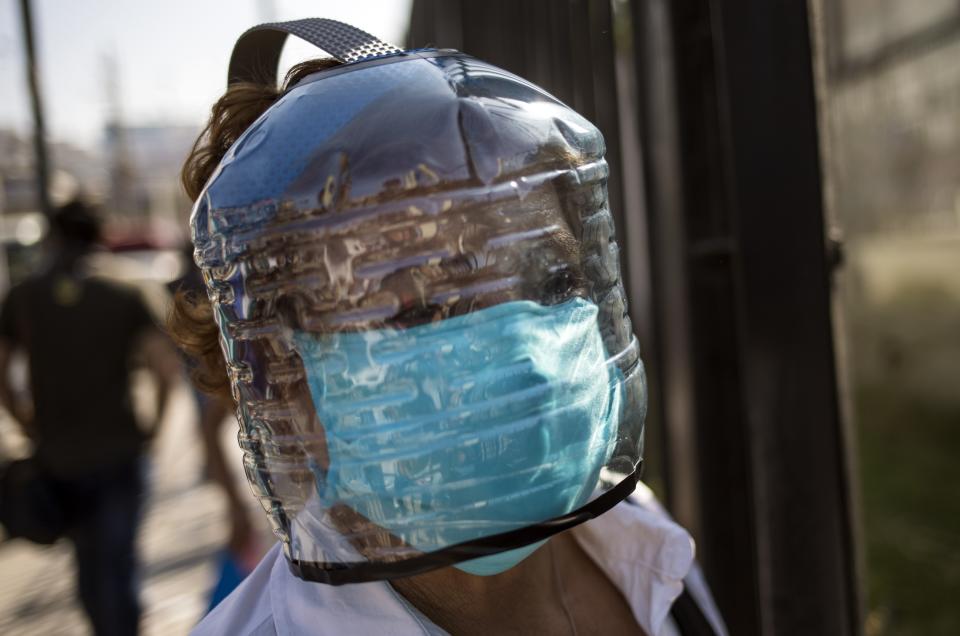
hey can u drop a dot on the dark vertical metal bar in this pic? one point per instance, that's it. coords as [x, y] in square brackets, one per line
[578, 24]
[826, 43]
[768, 110]
[422, 28]
[36, 106]
[745, 322]
[635, 255]
[603, 76]
[672, 386]
[474, 19]
[448, 24]
[536, 50]
[719, 434]
[561, 80]
[513, 31]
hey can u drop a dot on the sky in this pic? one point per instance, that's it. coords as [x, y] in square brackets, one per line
[171, 56]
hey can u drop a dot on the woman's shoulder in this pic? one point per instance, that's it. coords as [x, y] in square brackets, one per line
[247, 611]
[677, 552]
[272, 601]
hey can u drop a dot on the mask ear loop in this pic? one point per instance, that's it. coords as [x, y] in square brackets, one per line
[256, 54]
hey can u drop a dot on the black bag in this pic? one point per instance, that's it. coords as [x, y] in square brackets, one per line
[30, 506]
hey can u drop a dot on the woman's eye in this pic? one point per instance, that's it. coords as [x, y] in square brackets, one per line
[559, 286]
[417, 315]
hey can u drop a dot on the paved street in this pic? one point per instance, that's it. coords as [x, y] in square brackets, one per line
[181, 534]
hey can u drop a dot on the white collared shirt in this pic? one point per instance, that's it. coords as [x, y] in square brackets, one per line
[640, 549]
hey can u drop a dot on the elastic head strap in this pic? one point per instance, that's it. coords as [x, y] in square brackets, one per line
[256, 55]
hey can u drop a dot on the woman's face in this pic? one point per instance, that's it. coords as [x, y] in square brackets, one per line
[391, 273]
[422, 270]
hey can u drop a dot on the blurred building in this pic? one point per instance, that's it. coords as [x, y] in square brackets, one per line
[22, 224]
[146, 201]
[134, 176]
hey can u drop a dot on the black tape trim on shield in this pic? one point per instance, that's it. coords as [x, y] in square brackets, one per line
[364, 571]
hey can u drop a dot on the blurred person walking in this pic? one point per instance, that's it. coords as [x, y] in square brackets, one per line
[248, 540]
[81, 337]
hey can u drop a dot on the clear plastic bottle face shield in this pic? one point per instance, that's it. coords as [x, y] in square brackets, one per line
[412, 263]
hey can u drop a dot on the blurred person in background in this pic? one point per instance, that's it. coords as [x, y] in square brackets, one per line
[245, 544]
[81, 337]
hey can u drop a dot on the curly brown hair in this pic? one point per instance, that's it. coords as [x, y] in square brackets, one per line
[191, 322]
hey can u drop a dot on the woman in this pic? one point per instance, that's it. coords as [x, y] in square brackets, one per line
[416, 292]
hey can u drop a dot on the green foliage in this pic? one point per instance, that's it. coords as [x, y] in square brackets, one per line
[910, 473]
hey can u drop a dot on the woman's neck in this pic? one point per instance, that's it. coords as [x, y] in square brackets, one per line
[523, 596]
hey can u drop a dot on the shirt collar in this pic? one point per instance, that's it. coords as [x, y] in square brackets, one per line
[643, 552]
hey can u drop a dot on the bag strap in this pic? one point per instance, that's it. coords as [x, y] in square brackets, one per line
[256, 54]
[690, 617]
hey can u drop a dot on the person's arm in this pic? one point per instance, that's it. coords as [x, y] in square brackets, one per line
[213, 414]
[11, 339]
[21, 413]
[162, 362]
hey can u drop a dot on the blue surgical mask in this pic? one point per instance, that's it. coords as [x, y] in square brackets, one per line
[472, 426]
